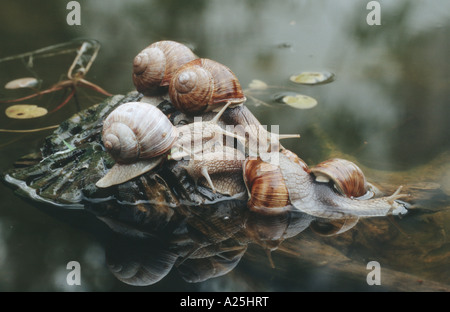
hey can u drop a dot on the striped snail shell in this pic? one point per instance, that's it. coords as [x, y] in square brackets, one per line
[349, 180]
[154, 66]
[266, 186]
[135, 134]
[346, 176]
[203, 85]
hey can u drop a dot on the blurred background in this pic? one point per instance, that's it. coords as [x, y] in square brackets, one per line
[388, 106]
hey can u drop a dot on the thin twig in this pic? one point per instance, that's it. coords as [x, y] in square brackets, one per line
[30, 130]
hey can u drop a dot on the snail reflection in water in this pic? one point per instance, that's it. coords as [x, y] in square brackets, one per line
[335, 189]
[208, 242]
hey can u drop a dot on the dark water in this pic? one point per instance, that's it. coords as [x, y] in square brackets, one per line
[387, 109]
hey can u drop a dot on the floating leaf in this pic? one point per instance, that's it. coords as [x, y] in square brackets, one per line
[312, 78]
[256, 84]
[300, 101]
[25, 111]
[27, 82]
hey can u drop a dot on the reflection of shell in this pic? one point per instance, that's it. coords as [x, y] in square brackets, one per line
[334, 227]
[217, 222]
[199, 270]
[260, 227]
[139, 262]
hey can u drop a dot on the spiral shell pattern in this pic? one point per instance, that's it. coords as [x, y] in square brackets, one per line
[347, 177]
[265, 184]
[137, 130]
[203, 85]
[154, 66]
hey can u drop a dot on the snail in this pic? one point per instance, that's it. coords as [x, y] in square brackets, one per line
[204, 85]
[139, 136]
[291, 185]
[135, 134]
[346, 177]
[154, 66]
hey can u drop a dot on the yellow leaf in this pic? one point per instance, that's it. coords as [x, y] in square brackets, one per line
[25, 111]
[300, 101]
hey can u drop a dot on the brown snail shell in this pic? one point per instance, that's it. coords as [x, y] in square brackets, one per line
[347, 177]
[135, 134]
[266, 188]
[203, 85]
[154, 66]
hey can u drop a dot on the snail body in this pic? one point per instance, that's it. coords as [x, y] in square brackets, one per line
[224, 161]
[203, 85]
[154, 66]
